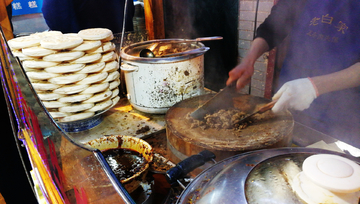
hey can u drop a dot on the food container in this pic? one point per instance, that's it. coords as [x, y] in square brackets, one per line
[132, 143]
[262, 176]
[155, 84]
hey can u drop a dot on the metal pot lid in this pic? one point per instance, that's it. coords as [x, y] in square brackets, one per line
[132, 52]
[254, 177]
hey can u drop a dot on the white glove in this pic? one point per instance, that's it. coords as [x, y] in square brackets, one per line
[296, 94]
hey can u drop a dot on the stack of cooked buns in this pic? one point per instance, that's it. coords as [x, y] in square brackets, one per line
[74, 75]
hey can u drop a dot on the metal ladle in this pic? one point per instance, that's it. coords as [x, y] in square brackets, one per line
[149, 53]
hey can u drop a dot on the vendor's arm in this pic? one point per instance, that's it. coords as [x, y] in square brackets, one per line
[242, 72]
[347, 78]
[300, 93]
[269, 34]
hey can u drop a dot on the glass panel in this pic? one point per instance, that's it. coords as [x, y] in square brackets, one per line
[68, 172]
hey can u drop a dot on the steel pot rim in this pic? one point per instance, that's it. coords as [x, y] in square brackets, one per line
[124, 54]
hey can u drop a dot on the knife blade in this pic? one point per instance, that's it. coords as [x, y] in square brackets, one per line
[263, 109]
[222, 99]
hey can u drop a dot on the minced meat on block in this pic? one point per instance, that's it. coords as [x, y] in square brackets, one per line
[223, 119]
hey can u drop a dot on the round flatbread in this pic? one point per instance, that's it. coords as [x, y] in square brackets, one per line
[37, 51]
[77, 116]
[64, 56]
[56, 114]
[99, 97]
[115, 100]
[96, 88]
[111, 37]
[44, 85]
[40, 75]
[54, 104]
[71, 89]
[76, 107]
[63, 68]
[74, 98]
[94, 78]
[115, 93]
[22, 56]
[68, 78]
[113, 76]
[111, 66]
[24, 42]
[49, 96]
[45, 34]
[60, 42]
[105, 47]
[95, 33]
[114, 84]
[88, 58]
[109, 56]
[103, 105]
[38, 64]
[87, 45]
[93, 68]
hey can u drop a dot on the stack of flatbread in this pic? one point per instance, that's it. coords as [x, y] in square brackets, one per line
[75, 75]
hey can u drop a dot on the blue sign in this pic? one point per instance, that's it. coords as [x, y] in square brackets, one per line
[22, 7]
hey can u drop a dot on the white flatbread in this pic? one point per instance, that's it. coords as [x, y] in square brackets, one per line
[71, 88]
[37, 51]
[56, 114]
[64, 56]
[114, 84]
[49, 96]
[45, 34]
[113, 76]
[44, 85]
[63, 68]
[111, 37]
[115, 92]
[105, 47]
[74, 98]
[60, 42]
[76, 107]
[111, 66]
[38, 64]
[77, 116]
[24, 42]
[103, 105]
[115, 100]
[99, 97]
[94, 78]
[108, 56]
[22, 56]
[95, 33]
[96, 88]
[88, 58]
[93, 68]
[54, 104]
[40, 75]
[87, 45]
[68, 78]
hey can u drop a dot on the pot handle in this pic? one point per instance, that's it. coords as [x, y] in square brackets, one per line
[129, 67]
[187, 165]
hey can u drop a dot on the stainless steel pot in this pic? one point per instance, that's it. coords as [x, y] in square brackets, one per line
[155, 84]
[252, 177]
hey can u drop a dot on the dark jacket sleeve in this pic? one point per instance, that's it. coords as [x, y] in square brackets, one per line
[279, 23]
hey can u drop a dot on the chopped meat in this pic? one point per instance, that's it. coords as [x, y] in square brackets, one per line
[223, 119]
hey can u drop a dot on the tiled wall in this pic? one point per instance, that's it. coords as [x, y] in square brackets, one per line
[247, 15]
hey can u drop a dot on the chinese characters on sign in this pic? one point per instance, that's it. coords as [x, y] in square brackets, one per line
[326, 19]
[21, 7]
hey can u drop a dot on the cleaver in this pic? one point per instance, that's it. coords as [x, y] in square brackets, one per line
[222, 99]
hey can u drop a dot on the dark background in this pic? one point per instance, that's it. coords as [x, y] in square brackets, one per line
[191, 19]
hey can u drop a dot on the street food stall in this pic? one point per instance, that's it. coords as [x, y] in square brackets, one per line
[106, 125]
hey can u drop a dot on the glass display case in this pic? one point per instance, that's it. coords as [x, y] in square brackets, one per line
[67, 171]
